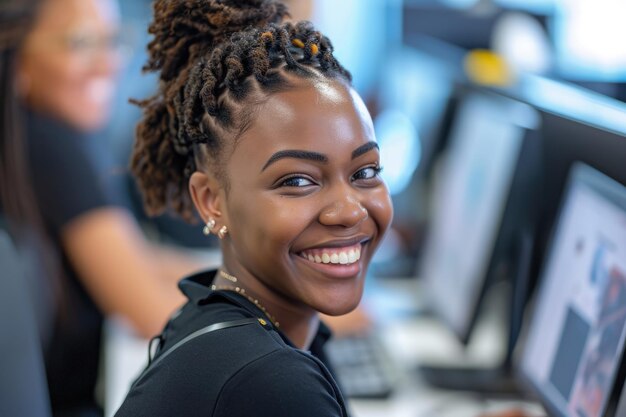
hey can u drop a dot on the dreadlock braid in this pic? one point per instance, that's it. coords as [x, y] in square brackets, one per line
[217, 60]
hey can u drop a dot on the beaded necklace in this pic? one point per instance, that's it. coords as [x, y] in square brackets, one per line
[242, 291]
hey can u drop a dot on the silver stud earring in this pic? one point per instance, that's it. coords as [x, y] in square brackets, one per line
[206, 230]
[222, 232]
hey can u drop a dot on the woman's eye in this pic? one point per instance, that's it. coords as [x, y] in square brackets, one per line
[296, 182]
[366, 173]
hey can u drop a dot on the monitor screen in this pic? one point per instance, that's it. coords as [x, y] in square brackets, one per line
[469, 199]
[575, 336]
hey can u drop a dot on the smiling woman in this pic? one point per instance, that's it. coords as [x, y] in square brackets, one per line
[301, 184]
[70, 60]
[257, 127]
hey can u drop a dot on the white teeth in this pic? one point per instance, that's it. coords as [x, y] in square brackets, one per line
[342, 258]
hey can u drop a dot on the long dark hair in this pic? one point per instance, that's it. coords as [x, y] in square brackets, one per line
[16, 194]
[17, 197]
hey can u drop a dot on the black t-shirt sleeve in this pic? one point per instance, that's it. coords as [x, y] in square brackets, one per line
[281, 384]
[69, 177]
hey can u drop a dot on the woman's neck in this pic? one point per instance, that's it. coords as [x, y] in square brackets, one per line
[298, 322]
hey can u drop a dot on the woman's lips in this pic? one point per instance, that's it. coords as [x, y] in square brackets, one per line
[99, 91]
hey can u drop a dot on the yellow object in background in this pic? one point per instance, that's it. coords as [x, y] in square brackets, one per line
[486, 67]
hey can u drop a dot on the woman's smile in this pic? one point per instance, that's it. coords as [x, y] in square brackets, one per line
[344, 256]
[337, 262]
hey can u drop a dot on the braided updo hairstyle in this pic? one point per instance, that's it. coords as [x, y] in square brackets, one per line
[217, 60]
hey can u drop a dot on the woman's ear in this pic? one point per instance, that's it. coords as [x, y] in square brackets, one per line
[207, 196]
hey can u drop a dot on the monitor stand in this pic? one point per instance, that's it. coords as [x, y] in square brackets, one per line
[498, 380]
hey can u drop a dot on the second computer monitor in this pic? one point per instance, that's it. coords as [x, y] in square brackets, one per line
[470, 203]
[574, 342]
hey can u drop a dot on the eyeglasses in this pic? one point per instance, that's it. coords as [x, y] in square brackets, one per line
[83, 43]
[88, 46]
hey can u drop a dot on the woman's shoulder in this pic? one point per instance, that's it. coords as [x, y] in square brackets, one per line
[285, 382]
[73, 173]
[206, 372]
[51, 142]
[238, 371]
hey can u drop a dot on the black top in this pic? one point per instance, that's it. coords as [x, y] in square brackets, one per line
[71, 176]
[23, 390]
[248, 370]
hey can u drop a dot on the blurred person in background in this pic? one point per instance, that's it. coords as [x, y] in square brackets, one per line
[67, 71]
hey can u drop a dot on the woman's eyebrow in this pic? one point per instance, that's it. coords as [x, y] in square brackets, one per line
[364, 149]
[315, 156]
[293, 153]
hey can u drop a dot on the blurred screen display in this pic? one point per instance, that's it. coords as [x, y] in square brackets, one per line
[468, 202]
[577, 333]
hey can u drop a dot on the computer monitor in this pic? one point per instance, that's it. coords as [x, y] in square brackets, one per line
[481, 197]
[577, 125]
[573, 350]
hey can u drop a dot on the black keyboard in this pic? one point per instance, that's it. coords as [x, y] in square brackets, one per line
[362, 365]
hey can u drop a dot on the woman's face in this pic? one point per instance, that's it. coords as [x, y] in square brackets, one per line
[70, 61]
[306, 207]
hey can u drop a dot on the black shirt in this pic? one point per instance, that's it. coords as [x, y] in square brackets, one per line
[71, 175]
[249, 370]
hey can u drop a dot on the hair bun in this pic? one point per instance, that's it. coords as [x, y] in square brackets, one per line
[186, 29]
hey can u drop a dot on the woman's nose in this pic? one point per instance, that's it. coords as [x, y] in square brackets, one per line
[106, 63]
[345, 211]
